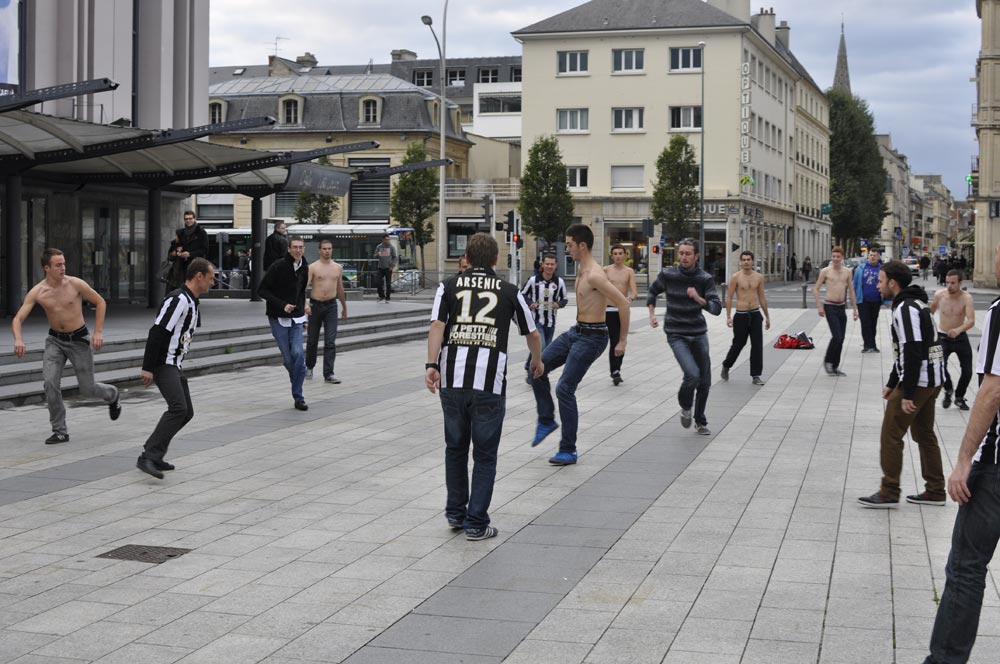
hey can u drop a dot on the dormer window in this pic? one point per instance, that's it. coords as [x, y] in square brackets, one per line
[215, 113]
[370, 110]
[290, 107]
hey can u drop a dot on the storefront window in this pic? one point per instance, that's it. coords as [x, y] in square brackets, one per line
[629, 235]
[459, 231]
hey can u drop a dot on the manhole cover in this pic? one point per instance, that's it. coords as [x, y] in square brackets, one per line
[144, 554]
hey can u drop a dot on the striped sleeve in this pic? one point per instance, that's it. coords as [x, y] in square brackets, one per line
[172, 311]
[561, 293]
[527, 290]
[522, 315]
[439, 312]
[988, 361]
[909, 318]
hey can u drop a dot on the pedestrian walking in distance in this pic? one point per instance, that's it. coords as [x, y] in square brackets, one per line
[467, 363]
[387, 259]
[284, 289]
[623, 278]
[166, 345]
[275, 245]
[957, 316]
[61, 296]
[868, 298]
[747, 288]
[911, 391]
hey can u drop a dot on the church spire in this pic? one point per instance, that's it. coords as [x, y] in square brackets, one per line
[842, 77]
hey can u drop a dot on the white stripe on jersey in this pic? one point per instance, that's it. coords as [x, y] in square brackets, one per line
[482, 365]
[461, 357]
[501, 373]
[436, 309]
[184, 317]
[988, 361]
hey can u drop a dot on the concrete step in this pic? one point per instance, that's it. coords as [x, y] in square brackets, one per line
[219, 362]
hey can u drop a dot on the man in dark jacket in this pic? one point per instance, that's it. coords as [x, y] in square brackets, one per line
[911, 391]
[190, 242]
[284, 289]
[689, 291]
[275, 246]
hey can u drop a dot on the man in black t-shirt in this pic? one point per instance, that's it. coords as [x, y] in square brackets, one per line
[467, 360]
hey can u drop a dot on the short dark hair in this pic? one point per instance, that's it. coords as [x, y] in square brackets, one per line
[326, 241]
[691, 242]
[296, 238]
[581, 234]
[546, 257]
[189, 212]
[955, 273]
[898, 271]
[481, 250]
[878, 249]
[385, 235]
[747, 252]
[617, 246]
[198, 266]
[47, 255]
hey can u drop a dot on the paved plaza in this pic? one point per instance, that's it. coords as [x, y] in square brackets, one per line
[320, 536]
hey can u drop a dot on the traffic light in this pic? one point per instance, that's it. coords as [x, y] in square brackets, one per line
[508, 260]
[486, 205]
[647, 227]
[510, 221]
[518, 240]
[656, 248]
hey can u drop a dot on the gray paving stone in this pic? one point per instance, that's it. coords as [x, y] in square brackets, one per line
[436, 633]
[328, 643]
[567, 536]
[713, 635]
[532, 651]
[160, 609]
[374, 611]
[289, 620]
[67, 618]
[15, 644]
[375, 655]
[631, 645]
[490, 604]
[194, 630]
[781, 652]
[145, 653]
[235, 649]
[94, 642]
[788, 625]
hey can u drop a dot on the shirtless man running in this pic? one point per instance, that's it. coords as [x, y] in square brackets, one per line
[623, 278]
[747, 288]
[957, 317]
[578, 347]
[834, 308]
[326, 276]
[61, 297]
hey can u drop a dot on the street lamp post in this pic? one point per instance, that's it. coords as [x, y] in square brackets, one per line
[442, 123]
[701, 169]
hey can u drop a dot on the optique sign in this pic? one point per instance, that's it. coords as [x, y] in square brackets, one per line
[745, 113]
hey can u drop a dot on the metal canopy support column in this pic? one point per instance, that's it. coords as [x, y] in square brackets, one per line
[154, 245]
[257, 232]
[12, 235]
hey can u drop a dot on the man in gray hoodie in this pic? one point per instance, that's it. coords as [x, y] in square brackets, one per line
[689, 291]
[387, 260]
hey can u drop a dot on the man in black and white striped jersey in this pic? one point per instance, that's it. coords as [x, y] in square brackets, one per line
[467, 361]
[166, 346]
[911, 391]
[973, 485]
[545, 294]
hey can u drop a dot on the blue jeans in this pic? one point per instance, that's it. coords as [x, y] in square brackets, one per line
[546, 333]
[323, 314]
[290, 344]
[692, 356]
[476, 416]
[836, 318]
[973, 540]
[577, 351]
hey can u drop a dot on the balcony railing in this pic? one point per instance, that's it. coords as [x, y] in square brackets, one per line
[479, 189]
[975, 114]
[975, 164]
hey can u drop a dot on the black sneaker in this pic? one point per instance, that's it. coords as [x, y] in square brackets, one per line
[332, 379]
[725, 372]
[878, 501]
[114, 409]
[148, 466]
[947, 400]
[616, 378]
[961, 404]
[301, 405]
[830, 369]
[757, 380]
[926, 499]
[163, 465]
[57, 438]
[455, 524]
[481, 534]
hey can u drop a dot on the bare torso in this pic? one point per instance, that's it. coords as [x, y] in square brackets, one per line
[325, 279]
[622, 278]
[62, 303]
[838, 280]
[952, 309]
[590, 303]
[747, 285]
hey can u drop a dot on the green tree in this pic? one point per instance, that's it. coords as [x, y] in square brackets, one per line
[316, 208]
[415, 198]
[857, 178]
[676, 194]
[546, 206]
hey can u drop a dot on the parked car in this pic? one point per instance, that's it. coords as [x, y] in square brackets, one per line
[914, 266]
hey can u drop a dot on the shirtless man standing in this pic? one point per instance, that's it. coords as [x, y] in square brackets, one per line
[326, 278]
[957, 316]
[834, 308]
[623, 278]
[61, 297]
[579, 346]
[747, 288]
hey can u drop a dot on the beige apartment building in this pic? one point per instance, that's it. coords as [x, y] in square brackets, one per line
[896, 231]
[940, 223]
[986, 120]
[615, 82]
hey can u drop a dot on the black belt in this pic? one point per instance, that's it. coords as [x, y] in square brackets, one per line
[76, 335]
[315, 301]
[596, 329]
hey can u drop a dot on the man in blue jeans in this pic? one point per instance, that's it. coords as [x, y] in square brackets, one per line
[467, 360]
[578, 347]
[689, 291]
[975, 485]
[284, 289]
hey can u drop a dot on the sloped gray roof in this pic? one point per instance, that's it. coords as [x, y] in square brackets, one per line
[632, 15]
[265, 85]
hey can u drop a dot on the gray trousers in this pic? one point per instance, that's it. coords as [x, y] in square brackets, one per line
[173, 387]
[81, 357]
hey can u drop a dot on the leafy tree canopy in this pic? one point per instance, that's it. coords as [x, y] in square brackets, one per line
[546, 206]
[676, 193]
[316, 208]
[415, 198]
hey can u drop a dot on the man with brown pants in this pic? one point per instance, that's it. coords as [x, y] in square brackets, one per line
[911, 392]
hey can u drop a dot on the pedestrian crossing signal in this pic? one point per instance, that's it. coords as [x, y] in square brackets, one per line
[656, 248]
[518, 240]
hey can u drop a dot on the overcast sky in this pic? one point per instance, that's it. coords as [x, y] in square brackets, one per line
[911, 60]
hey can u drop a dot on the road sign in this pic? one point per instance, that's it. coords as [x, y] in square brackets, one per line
[942, 249]
[826, 208]
[864, 244]
[906, 251]
[663, 240]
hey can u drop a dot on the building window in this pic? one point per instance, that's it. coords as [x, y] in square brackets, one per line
[290, 111]
[369, 199]
[685, 117]
[627, 178]
[627, 119]
[215, 112]
[573, 119]
[497, 103]
[369, 111]
[572, 62]
[685, 58]
[215, 211]
[285, 203]
[424, 78]
[459, 232]
[576, 177]
[488, 75]
[627, 59]
[515, 74]
[456, 77]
